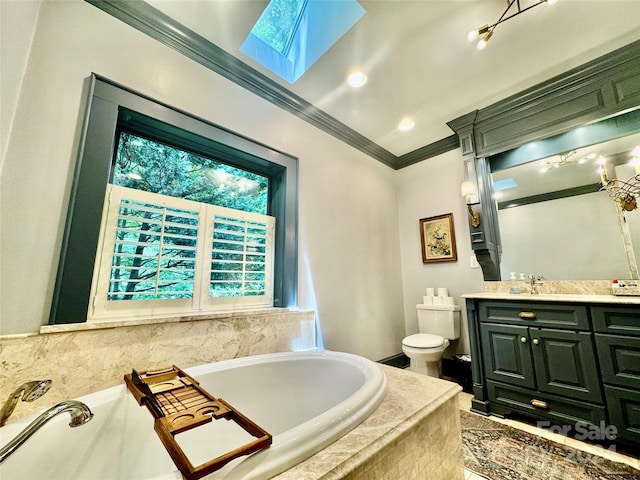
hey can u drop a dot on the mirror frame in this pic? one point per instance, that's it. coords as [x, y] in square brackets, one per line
[597, 90]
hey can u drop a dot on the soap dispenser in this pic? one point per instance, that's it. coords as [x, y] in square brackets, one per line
[513, 288]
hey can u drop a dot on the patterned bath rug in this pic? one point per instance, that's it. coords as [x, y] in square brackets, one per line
[500, 452]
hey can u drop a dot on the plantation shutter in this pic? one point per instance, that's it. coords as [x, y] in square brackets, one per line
[241, 257]
[154, 253]
[160, 254]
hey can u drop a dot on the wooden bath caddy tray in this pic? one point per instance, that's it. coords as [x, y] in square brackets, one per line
[178, 403]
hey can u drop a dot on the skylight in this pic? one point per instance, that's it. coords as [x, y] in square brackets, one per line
[291, 35]
[278, 23]
[499, 185]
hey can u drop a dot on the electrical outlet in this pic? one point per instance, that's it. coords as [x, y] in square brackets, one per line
[474, 262]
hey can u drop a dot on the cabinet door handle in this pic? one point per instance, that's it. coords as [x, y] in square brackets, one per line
[536, 341]
[523, 339]
[527, 315]
[539, 404]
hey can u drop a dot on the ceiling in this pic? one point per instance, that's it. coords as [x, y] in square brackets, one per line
[418, 60]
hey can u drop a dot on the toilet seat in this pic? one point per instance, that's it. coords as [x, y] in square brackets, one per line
[423, 340]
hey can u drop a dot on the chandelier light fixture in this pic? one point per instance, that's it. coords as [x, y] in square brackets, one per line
[563, 159]
[485, 32]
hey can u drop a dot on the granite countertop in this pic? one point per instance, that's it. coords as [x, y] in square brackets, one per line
[556, 297]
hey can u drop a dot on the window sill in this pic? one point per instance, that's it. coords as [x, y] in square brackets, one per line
[132, 322]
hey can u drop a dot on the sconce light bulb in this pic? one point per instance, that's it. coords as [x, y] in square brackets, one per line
[475, 34]
[552, 2]
[467, 188]
[483, 42]
[603, 175]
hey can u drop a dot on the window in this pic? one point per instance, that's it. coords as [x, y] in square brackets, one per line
[205, 219]
[149, 165]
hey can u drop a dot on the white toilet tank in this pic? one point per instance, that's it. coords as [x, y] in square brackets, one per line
[443, 320]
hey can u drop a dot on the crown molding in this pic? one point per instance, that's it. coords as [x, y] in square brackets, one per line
[428, 151]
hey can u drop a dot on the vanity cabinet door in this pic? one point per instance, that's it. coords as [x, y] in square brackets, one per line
[507, 354]
[619, 360]
[565, 364]
[624, 412]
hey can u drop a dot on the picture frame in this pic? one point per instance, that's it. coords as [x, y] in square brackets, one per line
[438, 239]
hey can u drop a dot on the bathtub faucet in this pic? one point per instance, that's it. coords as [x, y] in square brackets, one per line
[30, 391]
[80, 414]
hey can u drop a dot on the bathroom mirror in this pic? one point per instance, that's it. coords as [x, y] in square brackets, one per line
[555, 220]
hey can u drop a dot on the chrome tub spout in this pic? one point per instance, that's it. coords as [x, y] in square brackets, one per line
[80, 414]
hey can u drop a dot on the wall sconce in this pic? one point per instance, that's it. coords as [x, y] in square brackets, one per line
[468, 190]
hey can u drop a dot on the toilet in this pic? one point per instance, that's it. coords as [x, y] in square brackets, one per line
[437, 325]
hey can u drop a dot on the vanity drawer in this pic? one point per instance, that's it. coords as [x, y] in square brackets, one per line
[539, 314]
[619, 359]
[616, 320]
[624, 412]
[558, 409]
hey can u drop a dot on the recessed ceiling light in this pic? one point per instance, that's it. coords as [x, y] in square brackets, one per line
[357, 79]
[406, 124]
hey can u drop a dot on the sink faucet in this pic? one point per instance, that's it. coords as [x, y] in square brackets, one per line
[80, 414]
[30, 391]
[535, 280]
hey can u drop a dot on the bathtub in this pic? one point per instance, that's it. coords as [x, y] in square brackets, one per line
[306, 400]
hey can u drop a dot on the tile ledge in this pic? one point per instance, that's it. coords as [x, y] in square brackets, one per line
[132, 322]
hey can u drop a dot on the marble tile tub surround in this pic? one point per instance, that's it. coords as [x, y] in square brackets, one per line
[84, 361]
[414, 434]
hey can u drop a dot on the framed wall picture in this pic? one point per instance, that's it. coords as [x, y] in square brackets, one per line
[438, 239]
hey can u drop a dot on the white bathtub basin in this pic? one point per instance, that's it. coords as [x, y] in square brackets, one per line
[306, 400]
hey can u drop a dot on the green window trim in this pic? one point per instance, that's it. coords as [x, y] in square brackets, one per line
[110, 107]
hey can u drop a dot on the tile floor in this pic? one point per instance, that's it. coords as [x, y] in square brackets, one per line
[464, 400]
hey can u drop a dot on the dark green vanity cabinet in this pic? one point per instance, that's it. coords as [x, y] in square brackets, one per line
[570, 363]
[618, 343]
